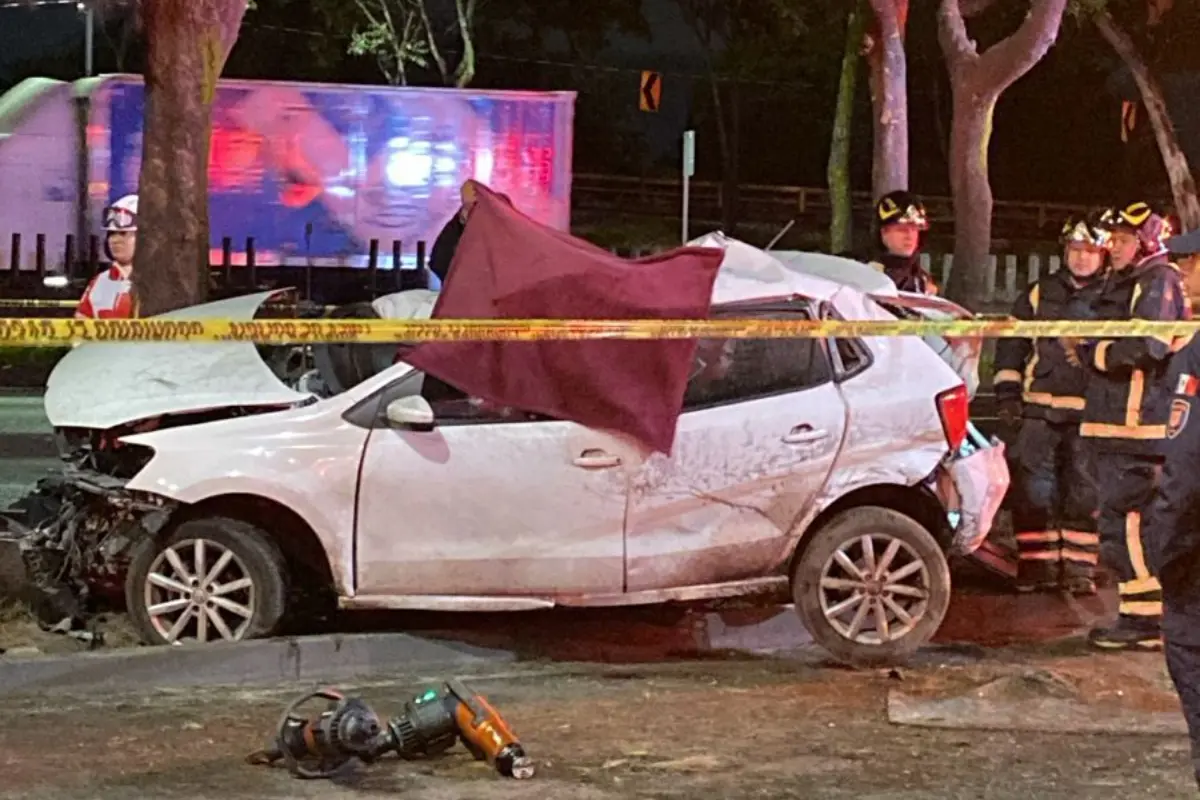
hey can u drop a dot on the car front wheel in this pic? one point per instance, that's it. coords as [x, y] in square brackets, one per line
[211, 579]
[872, 586]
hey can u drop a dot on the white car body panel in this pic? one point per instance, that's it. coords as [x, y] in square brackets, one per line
[303, 458]
[101, 385]
[501, 509]
[491, 508]
[861, 276]
[725, 505]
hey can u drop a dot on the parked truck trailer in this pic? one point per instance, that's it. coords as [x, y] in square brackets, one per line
[313, 172]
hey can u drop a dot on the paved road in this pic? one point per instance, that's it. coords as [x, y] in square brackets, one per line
[22, 414]
[17, 474]
[26, 448]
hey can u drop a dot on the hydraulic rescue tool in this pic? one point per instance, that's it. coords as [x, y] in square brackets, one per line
[429, 725]
[321, 746]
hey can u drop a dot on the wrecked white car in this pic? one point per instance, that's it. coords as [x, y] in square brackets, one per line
[216, 493]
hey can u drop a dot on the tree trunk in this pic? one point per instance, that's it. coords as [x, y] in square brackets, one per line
[733, 178]
[1183, 186]
[187, 43]
[838, 170]
[971, 190]
[977, 81]
[728, 183]
[889, 97]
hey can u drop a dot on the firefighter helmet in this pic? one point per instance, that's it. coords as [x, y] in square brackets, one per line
[901, 208]
[1152, 229]
[1085, 229]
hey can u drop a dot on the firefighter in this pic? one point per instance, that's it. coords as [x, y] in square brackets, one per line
[902, 219]
[109, 295]
[1042, 392]
[1125, 415]
[1173, 537]
[446, 243]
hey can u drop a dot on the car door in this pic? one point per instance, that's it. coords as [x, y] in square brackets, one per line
[762, 426]
[488, 503]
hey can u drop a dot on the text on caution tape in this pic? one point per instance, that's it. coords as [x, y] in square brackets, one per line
[61, 332]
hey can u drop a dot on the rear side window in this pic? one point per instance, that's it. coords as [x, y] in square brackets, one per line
[852, 354]
[730, 370]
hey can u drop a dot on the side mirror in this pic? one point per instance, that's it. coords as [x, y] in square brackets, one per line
[413, 413]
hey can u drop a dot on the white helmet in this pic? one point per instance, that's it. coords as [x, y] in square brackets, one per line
[122, 215]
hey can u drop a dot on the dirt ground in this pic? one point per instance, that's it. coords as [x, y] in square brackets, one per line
[739, 729]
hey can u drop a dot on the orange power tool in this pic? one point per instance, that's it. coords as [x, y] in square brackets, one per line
[432, 720]
[485, 733]
[428, 726]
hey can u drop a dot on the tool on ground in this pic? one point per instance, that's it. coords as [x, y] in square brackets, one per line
[428, 726]
[321, 747]
[433, 720]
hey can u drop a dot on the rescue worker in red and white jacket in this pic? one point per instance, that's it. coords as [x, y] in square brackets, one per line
[109, 295]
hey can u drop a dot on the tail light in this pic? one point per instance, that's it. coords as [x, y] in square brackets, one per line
[954, 407]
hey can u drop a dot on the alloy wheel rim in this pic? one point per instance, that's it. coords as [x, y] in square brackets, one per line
[874, 589]
[199, 590]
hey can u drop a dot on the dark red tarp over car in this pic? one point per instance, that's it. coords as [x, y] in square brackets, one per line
[508, 266]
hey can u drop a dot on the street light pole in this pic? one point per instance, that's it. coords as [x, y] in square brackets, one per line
[89, 27]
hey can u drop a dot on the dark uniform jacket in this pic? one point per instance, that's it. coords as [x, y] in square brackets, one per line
[906, 273]
[1127, 397]
[444, 246]
[1037, 371]
[1173, 534]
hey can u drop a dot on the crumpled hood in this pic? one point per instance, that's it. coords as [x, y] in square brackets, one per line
[100, 385]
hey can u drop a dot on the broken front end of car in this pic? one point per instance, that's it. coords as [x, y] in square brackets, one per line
[65, 546]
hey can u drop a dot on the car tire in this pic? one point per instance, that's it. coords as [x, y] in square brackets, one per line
[249, 595]
[829, 597]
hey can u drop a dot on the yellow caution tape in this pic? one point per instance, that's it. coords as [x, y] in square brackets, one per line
[29, 303]
[61, 332]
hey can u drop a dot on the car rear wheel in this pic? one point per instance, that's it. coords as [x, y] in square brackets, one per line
[872, 586]
[211, 579]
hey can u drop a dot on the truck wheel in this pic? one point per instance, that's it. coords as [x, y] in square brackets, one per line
[211, 579]
[872, 586]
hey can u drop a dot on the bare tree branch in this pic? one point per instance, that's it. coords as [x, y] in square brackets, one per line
[434, 51]
[466, 31]
[973, 8]
[952, 34]
[1011, 58]
[1179, 174]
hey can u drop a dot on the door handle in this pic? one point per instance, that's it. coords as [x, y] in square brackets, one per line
[597, 459]
[805, 434]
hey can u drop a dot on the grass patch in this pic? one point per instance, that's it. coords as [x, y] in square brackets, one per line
[31, 356]
[28, 366]
[19, 626]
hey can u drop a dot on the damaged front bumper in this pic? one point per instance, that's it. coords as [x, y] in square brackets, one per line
[972, 485]
[73, 535]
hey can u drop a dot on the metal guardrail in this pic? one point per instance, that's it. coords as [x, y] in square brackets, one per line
[1013, 220]
[237, 271]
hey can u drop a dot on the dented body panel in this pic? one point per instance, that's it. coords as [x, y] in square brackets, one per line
[726, 505]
